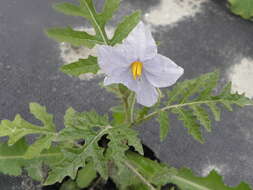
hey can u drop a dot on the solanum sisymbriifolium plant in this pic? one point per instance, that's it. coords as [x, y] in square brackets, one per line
[93, 148]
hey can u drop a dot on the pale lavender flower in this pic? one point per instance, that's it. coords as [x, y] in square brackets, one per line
[136, 64]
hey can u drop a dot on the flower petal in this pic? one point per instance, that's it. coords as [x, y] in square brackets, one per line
[112, 58]
[122, 76]
[162, 71]
[147, 94]
[141, 43]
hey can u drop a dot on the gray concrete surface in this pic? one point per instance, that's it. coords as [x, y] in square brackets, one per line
[201, 36]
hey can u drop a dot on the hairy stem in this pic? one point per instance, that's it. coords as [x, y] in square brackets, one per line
[131, 106]
[126, 108]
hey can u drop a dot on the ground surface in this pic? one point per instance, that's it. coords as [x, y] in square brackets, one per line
[199, 35]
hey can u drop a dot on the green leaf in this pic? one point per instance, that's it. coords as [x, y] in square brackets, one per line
[41, 114]
[203, 117]
[113, 88]
[244, 8]
[86, 175]
[91, 127]
[19, 128]
[82, 66]
[141, 113]
[121, 138]
[35, 170]
[69, 118]
[118, 115]
[215, 110]
[36, 148]
[163, 120]
[92, 119]
[190, 98]
[69, 185]
[44, 142]
[203, 85]
[67, 167]
[87, 10]
[190, 123]
[99, 20]
[126, 180]
[73, 159]
[75, 38]
[70, 9]
[110, 7]
[152, 172]
[125, 27]
[78, 124]
[12, 159]
[186, 180]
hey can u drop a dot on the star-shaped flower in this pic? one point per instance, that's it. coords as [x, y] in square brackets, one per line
[136, 64]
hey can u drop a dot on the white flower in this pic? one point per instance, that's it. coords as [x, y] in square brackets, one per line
[136, 64]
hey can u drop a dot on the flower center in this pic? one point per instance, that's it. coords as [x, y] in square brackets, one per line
[136, 69]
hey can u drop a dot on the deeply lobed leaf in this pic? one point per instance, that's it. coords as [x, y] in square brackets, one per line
[19, 128]
[86, 9]
[73, 159]
[189, 100]
[13, 159]
[158, 174]
[91, 127]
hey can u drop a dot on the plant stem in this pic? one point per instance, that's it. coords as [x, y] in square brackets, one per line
[131, 106]
[102, 33]
[143, 179]
[128, 99]
[151, 115]
[126, 108]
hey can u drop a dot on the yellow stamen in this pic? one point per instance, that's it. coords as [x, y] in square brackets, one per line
[136, 69]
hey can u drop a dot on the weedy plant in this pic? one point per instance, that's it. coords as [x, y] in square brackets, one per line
[93, 148]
